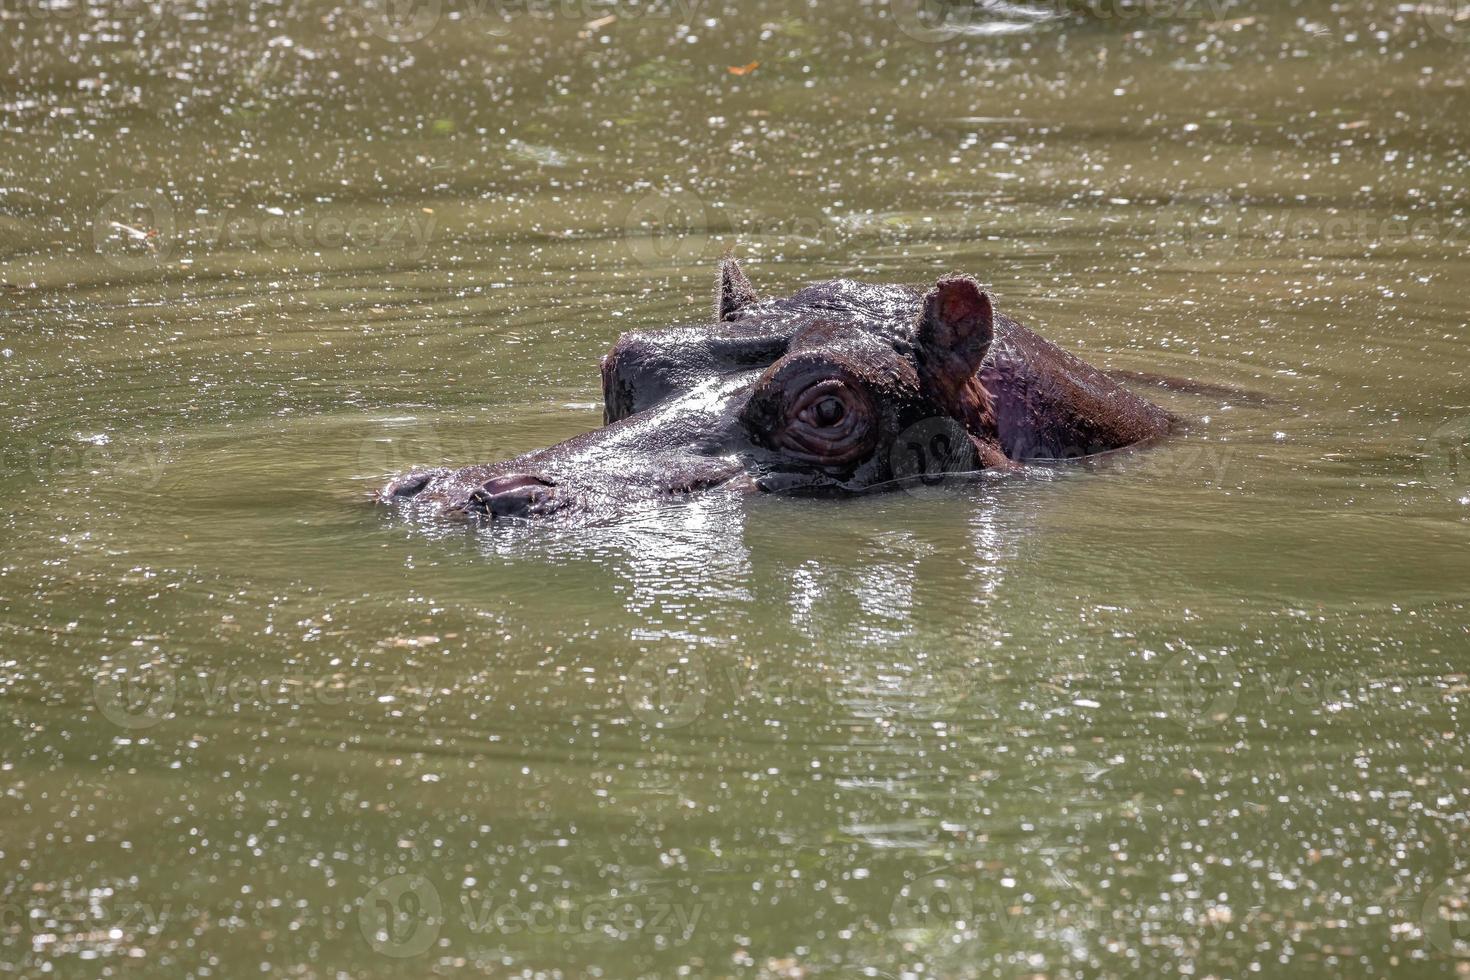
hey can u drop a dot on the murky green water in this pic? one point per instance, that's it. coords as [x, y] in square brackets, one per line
[1199, 710]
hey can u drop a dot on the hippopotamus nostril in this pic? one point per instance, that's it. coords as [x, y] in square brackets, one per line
[410, 485]
[513, 495]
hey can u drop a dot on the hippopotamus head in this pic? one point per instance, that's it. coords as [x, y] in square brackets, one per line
[841, 388]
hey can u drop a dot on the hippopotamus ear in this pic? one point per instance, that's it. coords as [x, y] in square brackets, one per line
[955, 330]
[735, 290]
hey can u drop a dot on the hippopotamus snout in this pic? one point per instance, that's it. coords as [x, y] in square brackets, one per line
[513, 495]
[546, 483]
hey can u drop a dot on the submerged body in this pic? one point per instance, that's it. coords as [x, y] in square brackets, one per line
[843, 387]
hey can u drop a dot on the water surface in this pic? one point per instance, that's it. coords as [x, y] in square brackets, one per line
[1194, 710]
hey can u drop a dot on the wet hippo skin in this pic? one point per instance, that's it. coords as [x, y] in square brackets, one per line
[842, 388]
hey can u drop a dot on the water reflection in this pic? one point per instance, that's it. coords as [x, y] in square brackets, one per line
[1200, 711]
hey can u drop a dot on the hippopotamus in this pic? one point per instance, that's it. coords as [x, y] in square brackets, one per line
[842, 388]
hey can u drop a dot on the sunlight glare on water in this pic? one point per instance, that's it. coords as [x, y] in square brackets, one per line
[1191, 710]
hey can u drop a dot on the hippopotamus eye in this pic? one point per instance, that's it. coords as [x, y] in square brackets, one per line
[812, 408]
[828, 422]
[829, 411]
